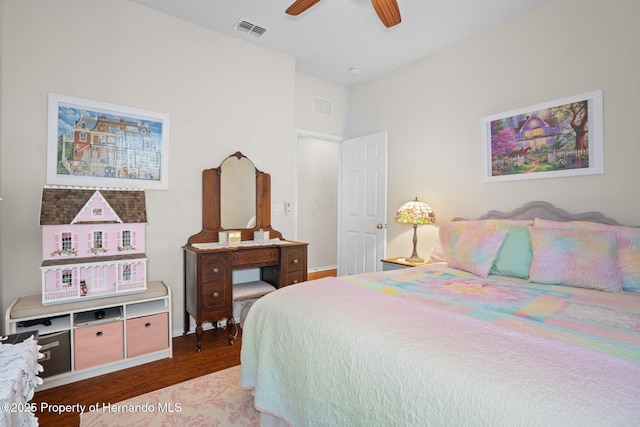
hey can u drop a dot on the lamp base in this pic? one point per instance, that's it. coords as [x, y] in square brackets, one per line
[414, 259]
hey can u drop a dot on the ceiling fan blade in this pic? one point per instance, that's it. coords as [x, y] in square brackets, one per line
[387, 11]
[299, 6]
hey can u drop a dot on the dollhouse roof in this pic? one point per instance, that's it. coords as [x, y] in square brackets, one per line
[61, 205]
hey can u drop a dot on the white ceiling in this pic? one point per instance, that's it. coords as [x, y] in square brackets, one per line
[336, 35]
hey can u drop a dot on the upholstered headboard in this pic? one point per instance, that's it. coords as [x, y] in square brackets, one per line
[545, 210]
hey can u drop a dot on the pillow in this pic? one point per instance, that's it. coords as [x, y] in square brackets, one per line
[450, 232]
[627, 242]
[514, 258]
[476, 250]
[579, 258]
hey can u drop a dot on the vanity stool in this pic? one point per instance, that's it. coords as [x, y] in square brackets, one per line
[245, 294]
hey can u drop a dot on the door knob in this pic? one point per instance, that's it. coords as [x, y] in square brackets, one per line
[380, 226]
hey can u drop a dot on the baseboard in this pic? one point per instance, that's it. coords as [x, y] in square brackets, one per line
[330, 272]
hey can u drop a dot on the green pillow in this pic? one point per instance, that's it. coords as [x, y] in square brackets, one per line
[514, 258]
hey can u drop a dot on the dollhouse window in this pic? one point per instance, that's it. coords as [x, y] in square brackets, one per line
[126, 238]
[67, 279]
[97, 213]
[126, 272]
[83, 137]
[97, 239]
[67, 242]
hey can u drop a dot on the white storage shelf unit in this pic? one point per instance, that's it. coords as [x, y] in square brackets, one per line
[77, 344]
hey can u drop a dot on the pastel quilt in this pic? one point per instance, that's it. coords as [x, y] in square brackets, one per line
[433, 346]
[606, 322]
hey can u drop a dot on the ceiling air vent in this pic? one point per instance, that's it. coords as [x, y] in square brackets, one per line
[249, 27]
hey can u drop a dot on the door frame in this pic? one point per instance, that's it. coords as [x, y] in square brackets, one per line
[300, 132]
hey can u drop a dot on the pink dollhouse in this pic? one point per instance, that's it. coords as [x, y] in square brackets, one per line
[93, 243]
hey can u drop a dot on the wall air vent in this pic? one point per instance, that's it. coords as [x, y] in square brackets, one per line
[250, 28]
[321, 106]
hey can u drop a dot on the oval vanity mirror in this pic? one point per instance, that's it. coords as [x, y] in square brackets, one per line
[235, 196]
[237, 193]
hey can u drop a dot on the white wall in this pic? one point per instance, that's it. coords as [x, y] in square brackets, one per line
[306, 88]
[222, 95]
[122, 53]
[432, 110]
[318, 161]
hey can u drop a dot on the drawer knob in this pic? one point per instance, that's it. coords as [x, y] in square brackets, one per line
[295, 261]
[147, 325]
[215, 294]
[215, 270]
[99, 333]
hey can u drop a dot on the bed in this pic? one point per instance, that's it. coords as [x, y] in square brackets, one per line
[525, 318]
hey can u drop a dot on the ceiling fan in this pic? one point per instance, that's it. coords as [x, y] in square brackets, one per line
[387, 10]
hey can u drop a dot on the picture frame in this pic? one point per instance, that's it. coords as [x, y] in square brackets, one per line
[559, 138]
[95, 144]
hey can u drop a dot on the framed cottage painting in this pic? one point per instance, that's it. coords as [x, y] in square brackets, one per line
[103, 145]
[556, 139]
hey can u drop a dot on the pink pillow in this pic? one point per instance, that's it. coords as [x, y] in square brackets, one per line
[579, 258]
[627, 242]
[476, 250]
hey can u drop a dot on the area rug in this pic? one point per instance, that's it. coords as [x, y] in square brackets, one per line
[211, 400]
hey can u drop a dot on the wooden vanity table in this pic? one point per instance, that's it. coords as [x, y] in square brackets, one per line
[208, 265]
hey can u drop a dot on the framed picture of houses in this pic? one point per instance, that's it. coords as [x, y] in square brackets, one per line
[555, 139]
[97, 144]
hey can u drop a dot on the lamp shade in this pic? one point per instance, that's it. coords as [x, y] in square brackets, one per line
[415, 212]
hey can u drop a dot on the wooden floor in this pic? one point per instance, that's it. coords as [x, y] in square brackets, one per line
[216, 355]
[186, 364]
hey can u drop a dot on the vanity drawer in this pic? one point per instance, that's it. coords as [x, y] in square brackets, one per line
[98, 345]
[294, 259]
[147, 334]
[214, 296]
[213, 267]
[257, 257]
[294, 277]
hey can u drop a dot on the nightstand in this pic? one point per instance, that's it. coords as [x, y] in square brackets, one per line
[398, 263]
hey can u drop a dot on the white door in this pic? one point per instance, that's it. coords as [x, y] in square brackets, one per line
[363, 204]
[98, 278]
